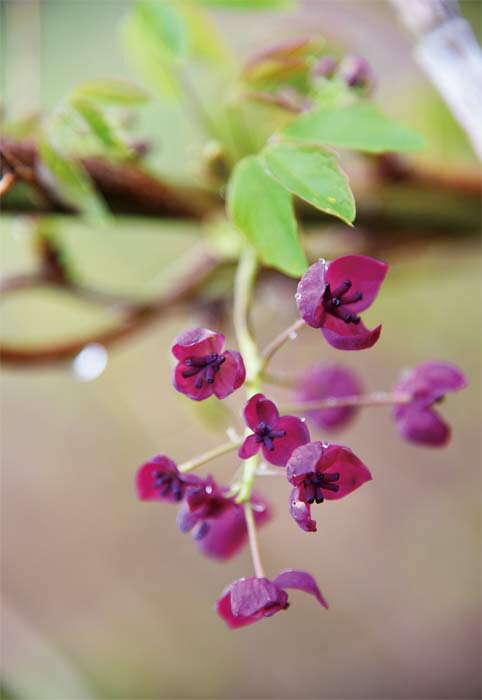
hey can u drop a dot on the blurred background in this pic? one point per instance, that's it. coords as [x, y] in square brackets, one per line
[102, 596]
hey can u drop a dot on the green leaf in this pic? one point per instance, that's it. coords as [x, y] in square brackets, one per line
[165, 24]
[359, 126]
[152, 52]
[312, 173]
[73, 183]
[115, 91]
[205, 39]
[100, 127]
[263, 211]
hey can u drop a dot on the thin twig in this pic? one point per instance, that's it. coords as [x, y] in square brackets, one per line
[253, 540]
[379, 398]
[289, 333]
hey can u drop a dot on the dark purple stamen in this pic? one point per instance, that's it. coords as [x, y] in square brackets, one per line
[265, 434]
[315, 483]
[168, 482]
[335, 302]
[206, 367]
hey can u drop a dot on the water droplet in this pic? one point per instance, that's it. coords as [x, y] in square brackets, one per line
[209, 489]
[90, 362]
[293, 335]
[297, 296]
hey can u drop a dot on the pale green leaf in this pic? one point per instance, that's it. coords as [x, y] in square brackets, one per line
[263, 211]
[205, 39]
[72, 182]
[149, 56]
[359, 126]
[312, 173]
[165, 25]
[99, 126]
[113, 91]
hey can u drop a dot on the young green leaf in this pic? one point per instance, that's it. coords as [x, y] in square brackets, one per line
[115, 91]
[263, 211]
[153, 49]
[100, 127]
[71, 180]
[312, 173]
[165, 24]
[359, 126]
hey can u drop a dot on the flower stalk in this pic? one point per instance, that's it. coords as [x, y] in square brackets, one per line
[379, 398]
[205, 457]
[253, 540]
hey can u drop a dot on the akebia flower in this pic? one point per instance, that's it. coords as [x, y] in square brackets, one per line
[320, 471]
[204, 368]
[160, 480]
[324, 382]
[217, 523]
[276, 435]
[427, 385]
[331, 295]
[250, 599]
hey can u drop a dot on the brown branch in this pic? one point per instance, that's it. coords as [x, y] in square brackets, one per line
[136, 316]
[126, 186]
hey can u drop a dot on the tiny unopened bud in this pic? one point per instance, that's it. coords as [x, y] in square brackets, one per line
[356, 72]
[215, 159]
[324, 67]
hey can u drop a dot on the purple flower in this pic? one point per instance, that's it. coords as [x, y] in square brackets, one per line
[324, 382]
[427, 384]
[160, 480]
[319, 471]
[250, 599]
[277, 435]
[330, 296]
[203, 368]
[216, 521]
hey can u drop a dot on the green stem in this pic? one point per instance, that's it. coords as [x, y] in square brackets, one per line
[281, 380]
[379, 398]
[198, 461]
[243, 287]
[253, 540]
[289, 333]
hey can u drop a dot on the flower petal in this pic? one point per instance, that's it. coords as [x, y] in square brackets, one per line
[309, 294]
[187, 385]
[301, 512]
[260, 409]
[147, 490]
[304, 461]
[348, 336]
[353, 473]
[422, 425]
[256, 597]
[230, 376]
[365, 274]
[329, 381]
[301, 580]
[296, 434]
[228, 533]
[431, 380]
[249, 447]
[224, 610]
[197, 342]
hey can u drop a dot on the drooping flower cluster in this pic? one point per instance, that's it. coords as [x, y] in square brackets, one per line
[222, 519]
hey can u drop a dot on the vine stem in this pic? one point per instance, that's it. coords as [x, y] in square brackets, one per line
[205, 457]
[243, 287]
[253, 540]
[289, 333]
[379, 398]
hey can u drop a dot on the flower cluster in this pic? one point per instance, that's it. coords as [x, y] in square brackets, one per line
[222, 519]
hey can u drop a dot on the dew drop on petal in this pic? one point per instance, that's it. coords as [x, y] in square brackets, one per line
[297, 296]
[90, 362]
